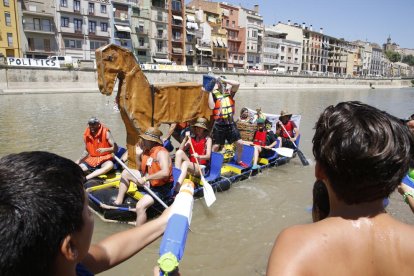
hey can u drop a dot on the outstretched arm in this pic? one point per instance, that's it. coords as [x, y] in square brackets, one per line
[121, 246]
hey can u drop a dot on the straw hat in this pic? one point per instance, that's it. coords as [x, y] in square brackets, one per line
[201, 122]
[152, 134]
[284, 113]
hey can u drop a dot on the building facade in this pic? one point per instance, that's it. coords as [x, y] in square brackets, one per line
[82, 27]
[252, 21]
[9, 29]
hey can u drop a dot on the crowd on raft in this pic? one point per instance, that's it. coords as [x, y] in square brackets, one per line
[50, 233]
[196, 139]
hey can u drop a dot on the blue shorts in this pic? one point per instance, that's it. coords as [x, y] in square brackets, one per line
[90, 168]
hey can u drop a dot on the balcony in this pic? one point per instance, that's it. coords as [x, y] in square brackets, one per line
[233, 38]
[141, 13]
[143, 46]
[160, 19]
[160, 36]
[37, 12]
[163, 51]
[36, 28]
[141, 31]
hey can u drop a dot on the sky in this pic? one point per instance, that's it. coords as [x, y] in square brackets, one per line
[367, 20]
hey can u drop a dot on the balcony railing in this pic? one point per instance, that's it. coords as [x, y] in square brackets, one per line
[38, 28]
[159, 36]
[163, 19]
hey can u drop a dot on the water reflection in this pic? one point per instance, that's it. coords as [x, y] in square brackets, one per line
[234, 236]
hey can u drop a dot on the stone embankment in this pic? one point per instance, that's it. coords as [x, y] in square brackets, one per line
[22, 80]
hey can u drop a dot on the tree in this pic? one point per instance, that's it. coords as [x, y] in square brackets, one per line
[393, 56]
[409, 60]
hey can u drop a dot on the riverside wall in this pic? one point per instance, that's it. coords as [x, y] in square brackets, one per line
[46, 80]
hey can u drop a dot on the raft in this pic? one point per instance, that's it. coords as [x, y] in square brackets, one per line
[223, 172]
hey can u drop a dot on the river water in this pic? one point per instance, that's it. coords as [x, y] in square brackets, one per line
[235, 235]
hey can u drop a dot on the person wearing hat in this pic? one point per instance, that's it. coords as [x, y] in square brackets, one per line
[201, 143]
[222, 103]
[155, 170]
[263, 142]
[99, 146]
[289, 132]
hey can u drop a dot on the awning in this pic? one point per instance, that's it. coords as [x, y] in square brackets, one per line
[204, 49]
[220, 42]
[190, 18]
[215, 42]
[224, 44]
[176, 17]
[189, 33]
[123, 28]
[162, 60]
[177, 50]
[211, 19]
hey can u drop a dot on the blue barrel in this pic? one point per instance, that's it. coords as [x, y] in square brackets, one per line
[208, 82]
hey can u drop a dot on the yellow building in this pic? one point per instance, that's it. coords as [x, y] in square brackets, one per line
[9, 29]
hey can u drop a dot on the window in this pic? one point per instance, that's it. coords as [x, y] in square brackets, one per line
[104, 27]
[8, 18]
[76, 5]
[46, 25]
[46, 42]
[231, 12]
[289, 50]
[64, 22]
[282, 48]
[141, 41]
[91, 8]
[63, 3]
[176, 5]
[141, 53]
[30, 41]
[160, 33]
[95, 44]
[78, 24]
[296, 51]
[103, 8]
[233, 23]
[159, 46]
[10, 39]
[36, 23]
[227, 23]
[6, 3]
[74, 44]
[92, 26]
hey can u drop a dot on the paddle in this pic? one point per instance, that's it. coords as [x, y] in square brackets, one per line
[208, 191]
[136, 177]
[300, 153]
[288, 152]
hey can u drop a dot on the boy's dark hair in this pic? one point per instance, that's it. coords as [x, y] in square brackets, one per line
[364, 151]
[321, 207]
[41, 202]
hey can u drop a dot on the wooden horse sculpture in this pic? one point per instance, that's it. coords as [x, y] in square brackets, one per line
[141, 104]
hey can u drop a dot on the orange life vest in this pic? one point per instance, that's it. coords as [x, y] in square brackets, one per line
[223, 107]
[155, 167]
[92, 143]
[260, 138]
[200, 149]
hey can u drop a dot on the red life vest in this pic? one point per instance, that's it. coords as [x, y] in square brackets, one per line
[260, 138]
[223, 107]
[155, 167]
[289, 126]
[200, 149]
[93, 143]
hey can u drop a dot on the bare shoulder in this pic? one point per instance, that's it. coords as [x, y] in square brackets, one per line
[289, 250]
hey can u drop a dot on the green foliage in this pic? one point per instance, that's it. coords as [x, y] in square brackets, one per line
[409, 60]
[393, 56]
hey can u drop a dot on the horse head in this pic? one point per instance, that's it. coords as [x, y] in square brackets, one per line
[112, 62]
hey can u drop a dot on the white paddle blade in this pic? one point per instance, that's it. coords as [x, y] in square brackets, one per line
[208, 191]
[284, 152]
